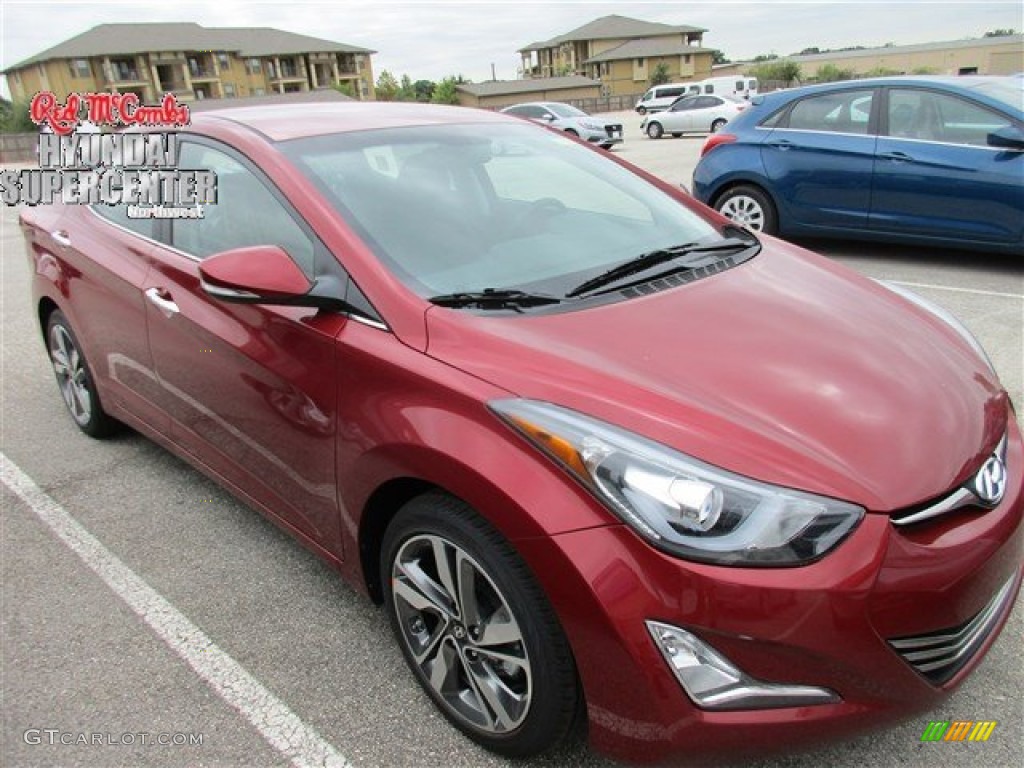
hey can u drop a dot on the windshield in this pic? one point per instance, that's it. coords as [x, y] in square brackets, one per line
[459, 208]
[565, 110]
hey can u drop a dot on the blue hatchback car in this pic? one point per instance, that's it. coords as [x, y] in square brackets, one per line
[928, 160]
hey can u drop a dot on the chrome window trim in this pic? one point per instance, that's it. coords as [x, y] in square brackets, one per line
[105, 220]
[890, 137]
[380, 326]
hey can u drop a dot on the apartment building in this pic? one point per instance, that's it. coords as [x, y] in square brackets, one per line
[622, 53]
[193, 62]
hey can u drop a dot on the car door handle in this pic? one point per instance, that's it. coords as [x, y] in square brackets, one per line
[61, 237]
[162, 300]
[896, 157]
[782, 144]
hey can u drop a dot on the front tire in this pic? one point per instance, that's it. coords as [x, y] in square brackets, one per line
[718, 125]
[476, 629]
[749, 206]
[654, 130]
[641, 110]
[75, 379]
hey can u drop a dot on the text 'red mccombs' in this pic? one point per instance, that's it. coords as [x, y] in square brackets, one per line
[105, 109]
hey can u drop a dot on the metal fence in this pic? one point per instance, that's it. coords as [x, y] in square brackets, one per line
[18, 147]
[606, 103]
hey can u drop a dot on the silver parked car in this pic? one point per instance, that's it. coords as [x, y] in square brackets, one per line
[571, 120]
[693, 114]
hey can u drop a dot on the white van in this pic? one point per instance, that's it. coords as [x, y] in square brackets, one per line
[737, 86]
[660, 97]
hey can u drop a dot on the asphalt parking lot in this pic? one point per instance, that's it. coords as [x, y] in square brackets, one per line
[138, 598]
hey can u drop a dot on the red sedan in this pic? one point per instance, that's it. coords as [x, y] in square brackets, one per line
[596, 449]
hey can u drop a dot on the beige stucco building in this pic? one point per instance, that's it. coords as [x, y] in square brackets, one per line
[621, 54]
[193, 62]
[504, 93]
[980, 56]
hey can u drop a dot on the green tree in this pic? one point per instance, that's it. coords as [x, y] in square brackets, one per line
[660, 74]
[387, 86]
[717, 57]
[406, 91]
[1000, 32]
[14, 118]
[830, 73]
[445, 92]
[765, 57]
[783, 71]
[345, 88]
[922, 71]
[423, 89]
[885, 72]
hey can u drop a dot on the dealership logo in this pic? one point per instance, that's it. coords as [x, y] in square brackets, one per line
[990, 482]
[80, 164]
[959, 730]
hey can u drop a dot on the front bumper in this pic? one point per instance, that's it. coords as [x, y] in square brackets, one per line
[606, 137]
[831, 624]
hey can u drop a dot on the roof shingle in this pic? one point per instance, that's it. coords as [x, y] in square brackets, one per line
[126, 39]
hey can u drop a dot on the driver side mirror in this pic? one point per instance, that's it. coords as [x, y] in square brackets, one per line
[1007, 137]
[258, 274]
[547, 117]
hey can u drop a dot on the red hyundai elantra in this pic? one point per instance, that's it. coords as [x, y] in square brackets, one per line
[596, 449]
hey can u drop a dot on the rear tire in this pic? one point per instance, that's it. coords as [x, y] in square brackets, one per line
[571, 132]
[654, 130]
[475, 628]
[75, 380]
[750, 207]
[641, 110]
[718, 125]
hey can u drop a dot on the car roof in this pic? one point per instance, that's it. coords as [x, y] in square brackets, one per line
[966, 82]
[279, 122]
[972, 84]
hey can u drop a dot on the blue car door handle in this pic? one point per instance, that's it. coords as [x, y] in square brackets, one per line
[782, 144]
[896, 157]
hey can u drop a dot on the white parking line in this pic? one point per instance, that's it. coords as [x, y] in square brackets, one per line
[281, 727]
[977, 291]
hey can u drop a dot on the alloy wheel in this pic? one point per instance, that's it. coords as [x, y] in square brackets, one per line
[72, 377]
[461, 634]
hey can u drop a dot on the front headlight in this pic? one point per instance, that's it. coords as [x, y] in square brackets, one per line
[590, 125]
[945, 316]
[679, 504]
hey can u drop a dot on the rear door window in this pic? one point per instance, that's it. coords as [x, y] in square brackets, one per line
[835, 112]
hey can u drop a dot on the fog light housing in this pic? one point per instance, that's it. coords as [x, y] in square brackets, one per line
[713, 682]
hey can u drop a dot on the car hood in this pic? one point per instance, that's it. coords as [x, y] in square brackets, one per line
[787, 368]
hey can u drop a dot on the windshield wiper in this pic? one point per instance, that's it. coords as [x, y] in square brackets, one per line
[658, 256]
[493, 298]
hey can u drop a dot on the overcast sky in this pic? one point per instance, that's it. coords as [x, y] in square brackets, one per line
[430, 39]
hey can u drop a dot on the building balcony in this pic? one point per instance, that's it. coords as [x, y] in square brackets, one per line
[203, 75]
[127, 77]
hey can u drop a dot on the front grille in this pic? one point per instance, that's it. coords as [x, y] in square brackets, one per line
[613, 129]
[964, 496]
[938, 656]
